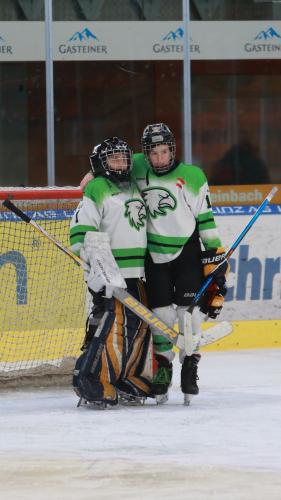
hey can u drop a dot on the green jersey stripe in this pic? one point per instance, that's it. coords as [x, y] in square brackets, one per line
[77, 238]
[81, 230]
[124, 252]
[130, 263]
[210, 224]
[205, 216]
[163, 249]
[211, 243]
[118, 259]
[167, 240]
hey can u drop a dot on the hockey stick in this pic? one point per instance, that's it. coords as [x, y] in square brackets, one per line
[207, 282]
[145, 314]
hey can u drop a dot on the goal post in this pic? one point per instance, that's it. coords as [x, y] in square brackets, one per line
[42, 294]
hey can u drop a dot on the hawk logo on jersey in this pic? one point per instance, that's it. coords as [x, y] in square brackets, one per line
[136, 213]
[158, 201]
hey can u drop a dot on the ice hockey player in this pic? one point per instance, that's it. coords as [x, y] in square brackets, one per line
[108, 231]
[184, 246]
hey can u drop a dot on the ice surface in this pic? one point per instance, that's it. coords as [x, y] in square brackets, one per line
[226, 445]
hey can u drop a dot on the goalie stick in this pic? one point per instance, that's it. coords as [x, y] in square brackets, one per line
[207, 282]
[219, 331]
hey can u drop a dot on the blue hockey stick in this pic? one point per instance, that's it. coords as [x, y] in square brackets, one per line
[228, 254]
[207, 282]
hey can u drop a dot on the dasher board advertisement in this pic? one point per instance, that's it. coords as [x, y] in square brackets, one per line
[254, 282]
[141, 40]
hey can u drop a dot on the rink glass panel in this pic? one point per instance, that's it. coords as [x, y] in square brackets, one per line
[130, 10]
[232, 102]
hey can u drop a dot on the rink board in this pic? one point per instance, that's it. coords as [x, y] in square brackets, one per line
[252, 303]
[249, 335]
[17, 346]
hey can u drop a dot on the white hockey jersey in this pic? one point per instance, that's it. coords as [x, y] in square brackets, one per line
[119, 211]
[176, 203]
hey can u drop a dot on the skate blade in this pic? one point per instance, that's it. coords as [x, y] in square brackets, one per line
[161, 398]
[127, 400]
[81, 402]
[100, 405]
[187, 399]
[96, 405]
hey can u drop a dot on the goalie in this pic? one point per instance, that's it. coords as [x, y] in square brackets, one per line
[108, 231]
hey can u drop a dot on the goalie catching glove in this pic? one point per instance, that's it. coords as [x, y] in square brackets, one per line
[213, 299]
[101, 270]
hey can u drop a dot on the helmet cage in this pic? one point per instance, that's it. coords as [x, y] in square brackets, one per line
[165, 168]
[158, 134]
[105, 155]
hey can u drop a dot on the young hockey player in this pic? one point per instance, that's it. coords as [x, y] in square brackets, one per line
[109, 227]
[184, 246]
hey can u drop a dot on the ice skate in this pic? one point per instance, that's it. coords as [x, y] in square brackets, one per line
[97, 405]
[189, 377]
[187, 399]
[129, 394]
[81, 402]
[126, 399]
[96, 394]
[162, 380]
[161, 398]
[102, 405]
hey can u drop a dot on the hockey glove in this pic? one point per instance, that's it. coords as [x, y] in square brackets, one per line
[213, 299]
[210, 260]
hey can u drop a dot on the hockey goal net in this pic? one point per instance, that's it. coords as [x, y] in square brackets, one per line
[42, 292]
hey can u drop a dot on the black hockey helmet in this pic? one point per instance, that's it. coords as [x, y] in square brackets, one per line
[112, 158]
[153, 135]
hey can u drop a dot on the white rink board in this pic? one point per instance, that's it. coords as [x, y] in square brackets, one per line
[254, 288]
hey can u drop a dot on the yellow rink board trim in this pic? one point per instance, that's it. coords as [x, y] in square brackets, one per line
[36, 345]
[249, 335]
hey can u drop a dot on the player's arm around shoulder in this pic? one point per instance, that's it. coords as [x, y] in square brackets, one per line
[87, 178]
[140, 165]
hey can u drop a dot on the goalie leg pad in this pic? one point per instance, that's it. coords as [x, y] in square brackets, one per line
[91, 389]
[98, 310]
[118, 353]
[137, 370]
[91, 380]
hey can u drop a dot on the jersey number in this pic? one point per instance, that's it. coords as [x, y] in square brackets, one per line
[208, 201]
